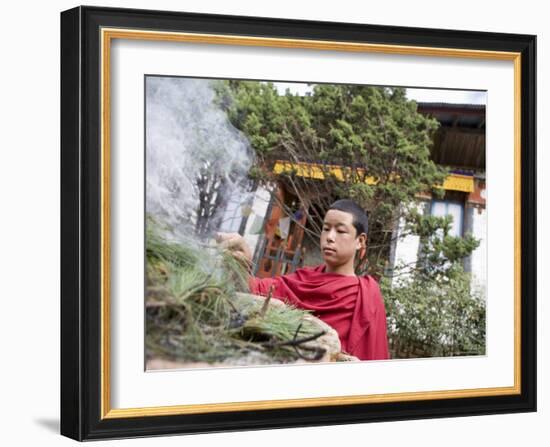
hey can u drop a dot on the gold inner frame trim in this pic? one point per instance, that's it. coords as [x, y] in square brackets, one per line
[107, 34]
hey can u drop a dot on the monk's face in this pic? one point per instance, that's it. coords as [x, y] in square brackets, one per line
[339, 239]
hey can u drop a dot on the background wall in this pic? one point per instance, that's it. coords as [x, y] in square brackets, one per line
[29, 228]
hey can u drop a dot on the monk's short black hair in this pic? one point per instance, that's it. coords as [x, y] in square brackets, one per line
[360, 219]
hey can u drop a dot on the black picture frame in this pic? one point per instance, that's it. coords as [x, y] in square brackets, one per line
[82, 212]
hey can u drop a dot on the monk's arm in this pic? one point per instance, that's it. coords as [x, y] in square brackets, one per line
[261, 286]
[237, 246]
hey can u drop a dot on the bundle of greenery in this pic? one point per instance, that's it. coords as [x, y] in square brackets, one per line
[198, 311]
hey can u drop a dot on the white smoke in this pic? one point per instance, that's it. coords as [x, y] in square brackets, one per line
[187, 135]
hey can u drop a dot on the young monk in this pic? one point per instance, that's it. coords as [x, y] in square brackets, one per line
[351, 304]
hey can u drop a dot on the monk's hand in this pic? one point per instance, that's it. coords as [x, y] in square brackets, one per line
[235, 244]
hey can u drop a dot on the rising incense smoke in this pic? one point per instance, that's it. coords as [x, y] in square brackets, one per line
[195, 159]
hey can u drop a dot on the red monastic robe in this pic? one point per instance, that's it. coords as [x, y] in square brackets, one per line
[352, 305]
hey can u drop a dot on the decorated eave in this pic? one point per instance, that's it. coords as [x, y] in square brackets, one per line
[454, 182]
[460, 139]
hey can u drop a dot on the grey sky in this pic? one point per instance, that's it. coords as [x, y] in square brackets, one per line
[418, 94]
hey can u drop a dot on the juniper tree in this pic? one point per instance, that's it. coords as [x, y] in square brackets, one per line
[377, 139]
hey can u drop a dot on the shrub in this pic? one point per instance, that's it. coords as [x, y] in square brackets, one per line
[434, 318]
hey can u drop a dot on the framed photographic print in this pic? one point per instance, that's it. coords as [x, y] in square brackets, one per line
[278, 223]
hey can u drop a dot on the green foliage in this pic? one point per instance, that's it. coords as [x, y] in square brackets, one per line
[374, 133]
[196, 311]
[439, 251]
[435, 318]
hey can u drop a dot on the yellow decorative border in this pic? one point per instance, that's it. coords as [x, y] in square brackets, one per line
[453, 182]
[107, 35]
